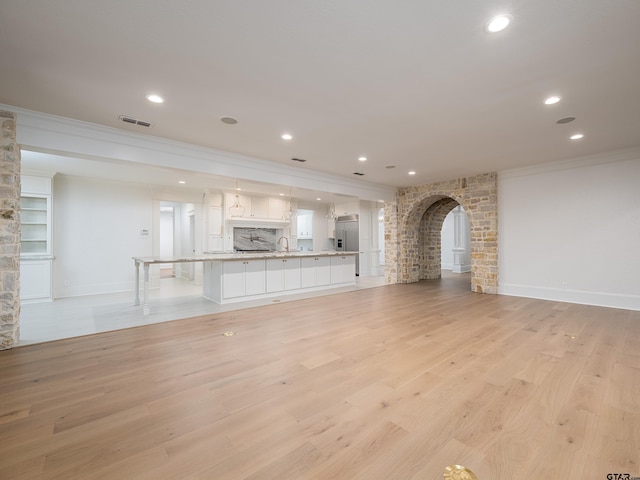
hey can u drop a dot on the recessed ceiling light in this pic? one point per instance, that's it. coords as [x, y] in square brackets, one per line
[412, 172]
[181, 182]
[552, 100]
[498, 23]
[155, 98]
[576, 136]
[238, 189]
[286, 136]
[318, 199]
[362, 159]
[229, 120]
[281, 194]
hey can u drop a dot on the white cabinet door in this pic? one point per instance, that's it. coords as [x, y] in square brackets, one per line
[323, 271]
[283, 274]
[315, 272]
[255, 282]
[216, 234]
[305, 224]
[336, 269]
[291, 273]
[276, 208]
[35, 280]
[233, 279]
[349, 268]
[243, 277]
[347, 208]
[260, 207]
[275, 278]
[343, 269]
[308, 272]
[215, 220]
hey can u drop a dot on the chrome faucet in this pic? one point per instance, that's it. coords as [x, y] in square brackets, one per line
[286, 244]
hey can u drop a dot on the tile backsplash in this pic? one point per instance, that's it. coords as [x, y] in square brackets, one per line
[246, 239]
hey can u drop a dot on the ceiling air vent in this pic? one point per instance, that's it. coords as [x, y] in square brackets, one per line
[301, 160]
[359, 174]
[134, 121]
[566, 120]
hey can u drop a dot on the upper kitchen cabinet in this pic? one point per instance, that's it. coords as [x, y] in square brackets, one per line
[347, 208]
[257, 208]
[278, 208]
[305, 225]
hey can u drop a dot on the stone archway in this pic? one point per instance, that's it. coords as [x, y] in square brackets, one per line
[414, 220]
[429, 236]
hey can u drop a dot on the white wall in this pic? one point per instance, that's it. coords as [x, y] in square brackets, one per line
[571, 231]
[97, 229]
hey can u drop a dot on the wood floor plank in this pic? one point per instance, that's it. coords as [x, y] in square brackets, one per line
[394, 382]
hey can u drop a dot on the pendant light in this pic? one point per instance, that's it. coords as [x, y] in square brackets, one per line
[331, 211]
[236, 210]
[289, 214]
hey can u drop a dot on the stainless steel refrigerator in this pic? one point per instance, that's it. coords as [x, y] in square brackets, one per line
[347, 236]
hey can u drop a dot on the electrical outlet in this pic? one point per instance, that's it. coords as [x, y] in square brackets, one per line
[67, 283]
[564, 285]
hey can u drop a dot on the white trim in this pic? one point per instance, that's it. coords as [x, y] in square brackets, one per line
[461, 268]
[599, 299]
[622, 155]
[58, 135]
[257, 222]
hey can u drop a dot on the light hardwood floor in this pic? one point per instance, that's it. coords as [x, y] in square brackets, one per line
[172, 299]
[394, 382]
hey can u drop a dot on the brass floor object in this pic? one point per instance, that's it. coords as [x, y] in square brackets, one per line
[458, 472]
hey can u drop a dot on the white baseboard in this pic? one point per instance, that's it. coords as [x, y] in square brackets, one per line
[600, 299]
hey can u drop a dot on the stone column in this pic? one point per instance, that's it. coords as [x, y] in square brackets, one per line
[9, 231]
[391, 242]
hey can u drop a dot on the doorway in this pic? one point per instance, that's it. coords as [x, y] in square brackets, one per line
[167, 227]
[455, 242]
[177, 238]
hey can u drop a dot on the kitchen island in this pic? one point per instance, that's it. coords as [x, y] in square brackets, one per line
[236, 277]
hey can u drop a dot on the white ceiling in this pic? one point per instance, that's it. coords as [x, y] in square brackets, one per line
[417, 84]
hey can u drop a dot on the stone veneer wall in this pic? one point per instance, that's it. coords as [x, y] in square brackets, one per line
[414, 220]
[9, 231]
[430, 236]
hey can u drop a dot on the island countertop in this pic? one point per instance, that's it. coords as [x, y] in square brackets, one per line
[212, 256]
